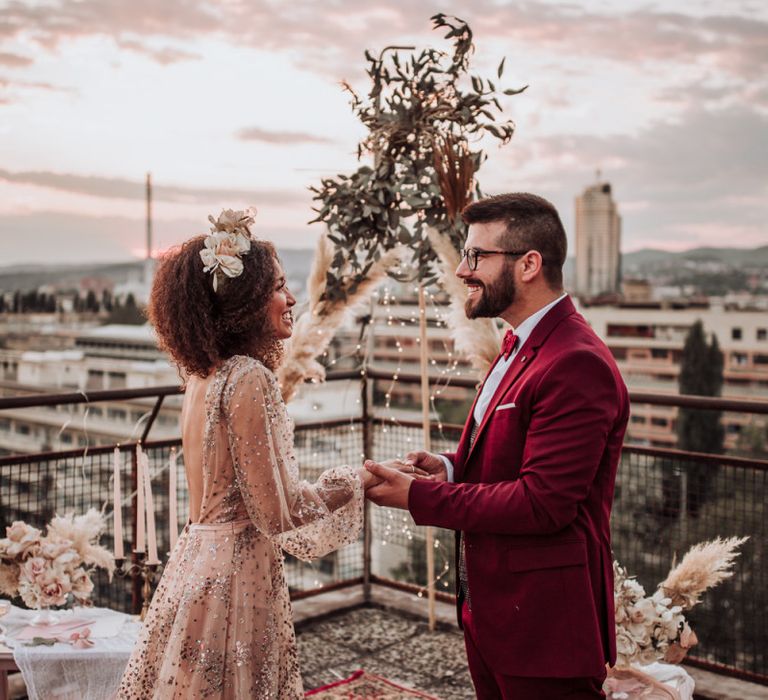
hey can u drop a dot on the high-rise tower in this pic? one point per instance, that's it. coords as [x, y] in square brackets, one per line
[598, 241]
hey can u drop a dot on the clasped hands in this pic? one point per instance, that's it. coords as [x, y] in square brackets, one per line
[388, 483]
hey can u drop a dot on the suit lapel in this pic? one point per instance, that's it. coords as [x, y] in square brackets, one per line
[462, 448]
[523, 359]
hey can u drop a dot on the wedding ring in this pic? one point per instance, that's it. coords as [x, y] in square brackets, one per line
[413, 469]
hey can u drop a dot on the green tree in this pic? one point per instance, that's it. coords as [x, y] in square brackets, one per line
[701, 374]
[91, 304]
[414, 568]
[753, 440]
[128, 312]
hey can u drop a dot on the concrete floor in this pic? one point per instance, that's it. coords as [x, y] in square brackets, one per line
[339, 634]
[392, 644]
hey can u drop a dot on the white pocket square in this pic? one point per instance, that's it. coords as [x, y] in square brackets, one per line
[505, 406]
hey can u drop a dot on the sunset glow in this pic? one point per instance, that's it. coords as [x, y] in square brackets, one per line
[238, 103]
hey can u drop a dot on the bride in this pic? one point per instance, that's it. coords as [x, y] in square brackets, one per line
[220, 621]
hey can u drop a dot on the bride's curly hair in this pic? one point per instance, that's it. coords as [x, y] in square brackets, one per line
[199, 327]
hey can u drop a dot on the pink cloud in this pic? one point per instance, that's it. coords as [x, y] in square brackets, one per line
[288, 138]
[328, 37]
[164, 56]
[120, 188]
[13, 60]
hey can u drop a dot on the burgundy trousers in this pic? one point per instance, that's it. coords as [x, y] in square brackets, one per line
[490, 685]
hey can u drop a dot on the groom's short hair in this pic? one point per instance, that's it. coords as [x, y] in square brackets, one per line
[532, 223]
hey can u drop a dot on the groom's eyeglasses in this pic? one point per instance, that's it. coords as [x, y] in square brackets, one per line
[473, 255]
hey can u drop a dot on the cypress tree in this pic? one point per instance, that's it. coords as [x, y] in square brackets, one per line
[701, 374]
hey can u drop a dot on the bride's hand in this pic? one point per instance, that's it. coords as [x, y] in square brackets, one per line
[368, 479]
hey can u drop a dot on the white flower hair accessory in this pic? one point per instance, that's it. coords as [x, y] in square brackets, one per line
[225, 245]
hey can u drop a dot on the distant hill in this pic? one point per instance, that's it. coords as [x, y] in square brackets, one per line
[26, 278]
[736, 257]
[298, 261]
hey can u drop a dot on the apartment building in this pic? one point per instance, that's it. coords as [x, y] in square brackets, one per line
[100, 358]
[647, 342]
[646, 339]
[598, 242]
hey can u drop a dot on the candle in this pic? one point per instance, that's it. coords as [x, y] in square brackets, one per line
[151, 534]
[117, 512]
[140, 515]
[172, 505]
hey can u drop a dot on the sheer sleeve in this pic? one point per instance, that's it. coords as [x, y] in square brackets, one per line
[307, 520]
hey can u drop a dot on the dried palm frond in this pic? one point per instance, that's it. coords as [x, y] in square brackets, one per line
[455, 169]
[704, 566]
[315, 328]
[9, 579]
[477, 339]
[321, 263]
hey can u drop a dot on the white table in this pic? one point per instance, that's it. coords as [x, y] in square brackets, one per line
[62, 671]
[671, 681]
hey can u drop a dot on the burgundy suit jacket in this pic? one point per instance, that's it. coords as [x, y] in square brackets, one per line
[533, 497]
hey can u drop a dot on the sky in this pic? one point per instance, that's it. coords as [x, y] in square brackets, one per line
[239, 103]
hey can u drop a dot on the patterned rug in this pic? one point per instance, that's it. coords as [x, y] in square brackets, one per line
[365, 686]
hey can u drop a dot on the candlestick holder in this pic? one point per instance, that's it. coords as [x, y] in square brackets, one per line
[145, 570]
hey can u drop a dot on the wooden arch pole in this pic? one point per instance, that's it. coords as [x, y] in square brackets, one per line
[425, 413]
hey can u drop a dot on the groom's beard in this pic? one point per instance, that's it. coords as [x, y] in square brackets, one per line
[495, 297]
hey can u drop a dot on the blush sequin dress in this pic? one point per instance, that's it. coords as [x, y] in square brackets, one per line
[220, 625]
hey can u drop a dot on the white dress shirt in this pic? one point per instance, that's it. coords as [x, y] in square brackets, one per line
[523, 332]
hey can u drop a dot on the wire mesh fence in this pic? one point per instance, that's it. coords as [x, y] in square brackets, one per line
[34, 488]
[398, 545]
[665, 502]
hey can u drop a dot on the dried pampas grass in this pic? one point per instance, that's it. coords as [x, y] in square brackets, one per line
[315, 329]
[477, 339]
[704, 566]
[83, 531]
[9, 579]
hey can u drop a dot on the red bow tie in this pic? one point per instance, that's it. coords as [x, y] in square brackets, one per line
[508, 344]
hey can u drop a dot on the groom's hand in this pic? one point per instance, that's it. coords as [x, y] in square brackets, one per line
[393, 488]
[406, 466]
[428, 463]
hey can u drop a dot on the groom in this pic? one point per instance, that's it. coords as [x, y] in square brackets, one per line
[530, 487]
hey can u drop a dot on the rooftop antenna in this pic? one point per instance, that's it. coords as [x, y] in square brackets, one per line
[598, 175]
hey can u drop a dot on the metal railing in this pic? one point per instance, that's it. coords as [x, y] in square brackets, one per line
[666, 500]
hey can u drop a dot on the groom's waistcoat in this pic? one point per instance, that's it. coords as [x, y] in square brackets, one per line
[532, 495]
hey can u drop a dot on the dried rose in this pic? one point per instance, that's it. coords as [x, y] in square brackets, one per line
[20, 539]
[35, 567]
[81, 584]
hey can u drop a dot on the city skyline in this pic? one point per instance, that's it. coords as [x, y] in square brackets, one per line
[231, 104]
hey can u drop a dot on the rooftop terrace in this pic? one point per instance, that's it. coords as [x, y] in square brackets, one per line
[660, 510]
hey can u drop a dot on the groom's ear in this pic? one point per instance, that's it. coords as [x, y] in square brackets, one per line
[531, 265]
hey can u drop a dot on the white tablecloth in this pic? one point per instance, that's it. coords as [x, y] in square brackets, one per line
[650, 682]
[63, 672]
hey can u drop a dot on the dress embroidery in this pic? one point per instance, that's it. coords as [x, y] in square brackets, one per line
[220, 623]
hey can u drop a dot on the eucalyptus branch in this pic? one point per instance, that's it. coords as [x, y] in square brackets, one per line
[421, 114]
